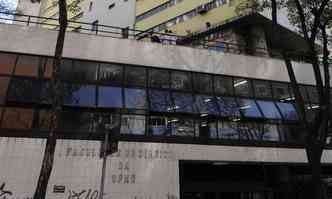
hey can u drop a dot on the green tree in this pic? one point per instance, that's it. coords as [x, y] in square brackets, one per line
[56, 87]
[312, 18]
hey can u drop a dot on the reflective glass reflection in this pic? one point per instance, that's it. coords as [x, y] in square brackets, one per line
[105, 121]
[183, 102]
[313, 94]
[280, 91]
[79, 95]
[271, 132]
[223, 85]
[160, 126]
[133, 124]
[207, 128]
[159, 78]
[228, 130]
[110, 97]
[135, 98]
[288, 111]
[27, 65]
[183, 127]
[17, 118]
[85, 71]
[262, 89]
[206, 105]
[304, 93]
[160, 101]
[250, 131]
[228, 107]
[181, 81]
[242, 87]
[202, 83]
[269, 109]
[77, 121]
[7, 63]
[111, 73]
[4, 83]
[135, 76]
[23, 90]
[249, 108]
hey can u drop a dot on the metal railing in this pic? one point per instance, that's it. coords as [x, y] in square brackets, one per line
[128, 33]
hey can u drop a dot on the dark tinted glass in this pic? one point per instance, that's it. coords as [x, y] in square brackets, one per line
[135, 76]
[183, 127]
[280, 91]
[111, 74]
[160, 126]
[135, 98]
[288, 111]
[249, 108]
[206, 128]
[17, 118]
[181, 81]
[110, 96]
[271, 133]
[67, 71]
[202, 83]
[269, 109]
[77, 121]
[262, 89]
[46, 93]
[4, 82]
[223, 85]
[206, 105]
[242, 87]
[85, 71]
[159, 78]
[107, 122]
[80, 95]
[27, 65]
[160, 101]
[133, 124]
[45, 118]
[228, 130]
[23, 90]
[7, 63]
[183, 102]
[304, 93]
[250, 131]
[291, 133]
[313, 94]
[228, 107]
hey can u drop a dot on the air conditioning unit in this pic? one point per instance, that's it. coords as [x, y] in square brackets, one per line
[202, 9]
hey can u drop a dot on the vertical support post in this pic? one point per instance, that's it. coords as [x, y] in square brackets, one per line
[29, 18]
[103, 171]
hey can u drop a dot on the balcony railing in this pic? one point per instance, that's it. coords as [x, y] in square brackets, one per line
[128, 33]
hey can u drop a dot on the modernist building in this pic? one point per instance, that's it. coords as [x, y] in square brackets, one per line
[191, 123]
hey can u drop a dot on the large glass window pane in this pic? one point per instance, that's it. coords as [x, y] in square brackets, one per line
[110, 97]
[27, 65]
[107, 122]
[223, 85]
[77, 121]
[249, 108]
[160, 101]
[160, 126]
[228, 130]
[159, 78]
[291, 133]
[269, 109]
[280, 91]
[181, 81]
[228, 107]
[46, 93]
[207, 128]
[4, 82]
[133, 124]
[135, 98]
[250, 131]
[242, 87]
[85, 71]
[17, 118]
[288, 111]
[304, 93]
[135, 76]
[271, 132]
[111, 74]
[206, 105]
[23, 90]
[202, 83]
[183, 127]
[67, 71]
[183, 102]
[263, 89]
[7, 63]
[80, 95]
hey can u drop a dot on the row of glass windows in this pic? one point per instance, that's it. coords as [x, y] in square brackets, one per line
[23, 91]
[92, 122]
[119, 75]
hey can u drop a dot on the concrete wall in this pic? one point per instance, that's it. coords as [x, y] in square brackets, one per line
[83, 46]
[137, 171]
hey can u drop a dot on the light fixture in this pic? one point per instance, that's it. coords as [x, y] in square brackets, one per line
[207, 100]
[245, 107]
[240, 83]
[204, 114]
[236, 119]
